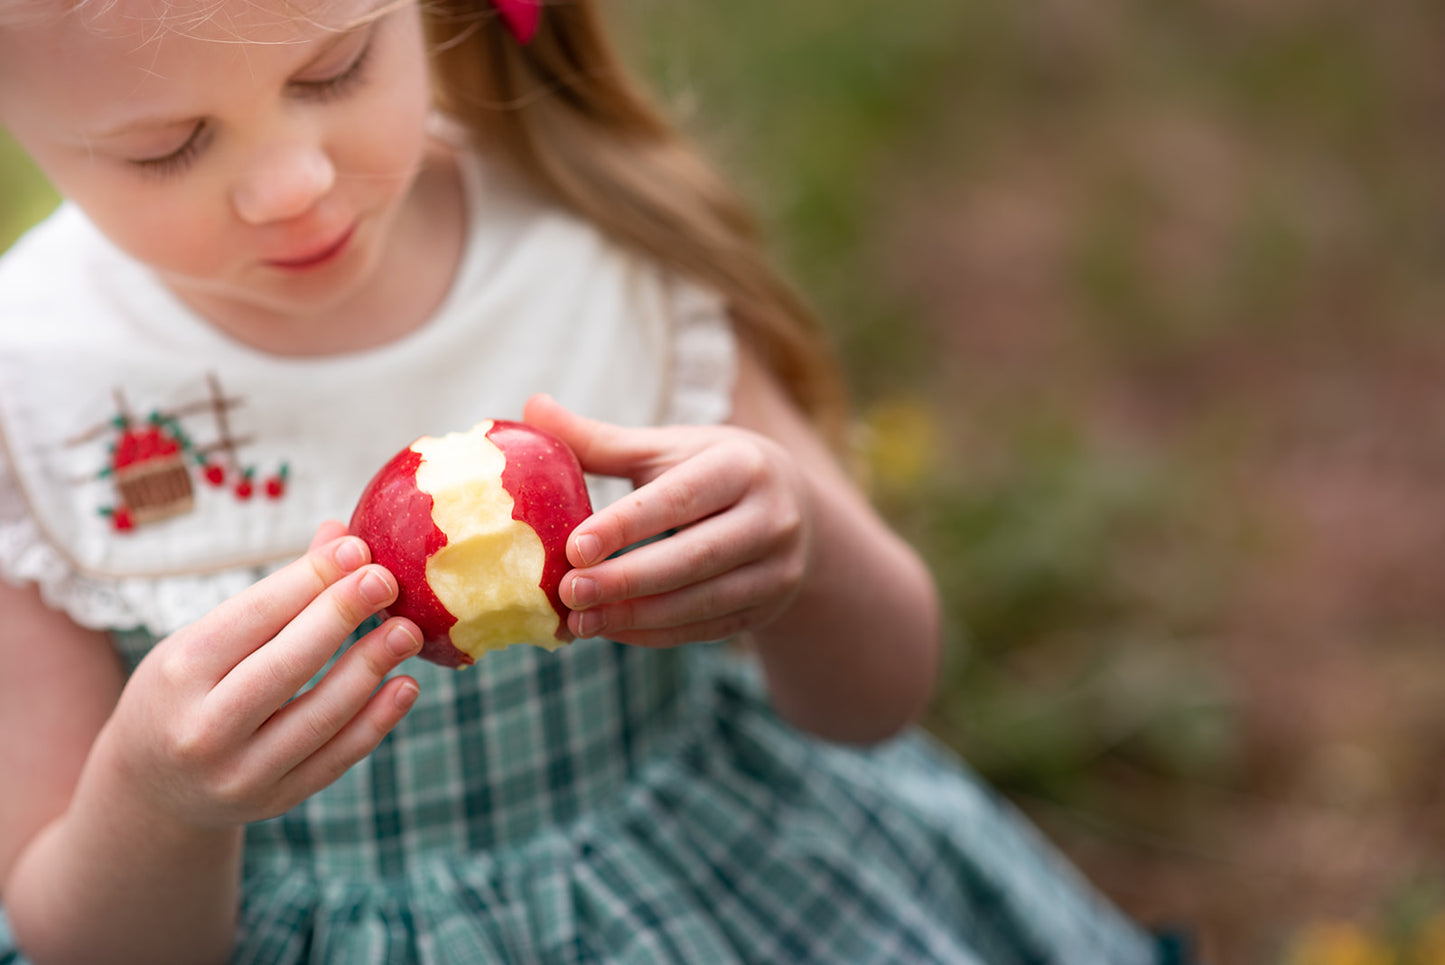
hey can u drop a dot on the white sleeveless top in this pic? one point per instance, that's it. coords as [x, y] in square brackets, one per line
[151, 467]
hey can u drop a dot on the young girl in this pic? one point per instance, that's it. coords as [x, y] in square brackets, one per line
[297, 235]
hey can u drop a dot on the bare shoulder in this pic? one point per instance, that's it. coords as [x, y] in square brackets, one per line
[58, 684]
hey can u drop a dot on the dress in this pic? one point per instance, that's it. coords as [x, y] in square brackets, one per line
[600, 803]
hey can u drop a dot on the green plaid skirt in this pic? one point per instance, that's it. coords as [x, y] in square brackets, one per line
[615, 804]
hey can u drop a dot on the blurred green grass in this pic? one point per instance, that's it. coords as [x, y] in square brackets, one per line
[1084, 264]
[25, 197]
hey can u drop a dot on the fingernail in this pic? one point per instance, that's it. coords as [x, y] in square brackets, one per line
[406, 695]
[350, 554]
[589, 547]
[375, 590]
[402, 642]
[584, 592]
[590, 623]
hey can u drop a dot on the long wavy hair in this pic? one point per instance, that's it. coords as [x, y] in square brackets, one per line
[573, 119]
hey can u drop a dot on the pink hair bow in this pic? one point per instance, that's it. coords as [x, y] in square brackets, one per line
[521, 17]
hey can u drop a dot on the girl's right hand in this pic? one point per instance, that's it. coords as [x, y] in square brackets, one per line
[210, 730]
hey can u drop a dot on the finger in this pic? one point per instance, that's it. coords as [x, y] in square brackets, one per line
[273, 673]
[705, 550]
[711, 481]
[718, 628]
[601, 447]
[750, 588]
[307, 723]
[358, 738]
[220, 640]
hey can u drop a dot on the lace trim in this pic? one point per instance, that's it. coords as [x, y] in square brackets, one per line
[704, 360]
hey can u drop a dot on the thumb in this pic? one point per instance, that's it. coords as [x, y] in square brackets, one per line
[326, 532]
[602, 448]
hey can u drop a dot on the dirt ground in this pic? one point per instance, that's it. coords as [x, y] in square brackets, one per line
[1320, 442]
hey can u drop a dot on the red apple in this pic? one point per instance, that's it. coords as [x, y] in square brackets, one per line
[474, 526]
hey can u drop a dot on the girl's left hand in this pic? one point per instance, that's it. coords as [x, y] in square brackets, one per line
[736, 505]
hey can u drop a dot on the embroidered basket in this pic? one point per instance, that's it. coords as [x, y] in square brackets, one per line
[156, 488]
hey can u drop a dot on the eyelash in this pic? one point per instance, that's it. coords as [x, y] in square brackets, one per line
[339, 85]
[332, 88]
[179, 159]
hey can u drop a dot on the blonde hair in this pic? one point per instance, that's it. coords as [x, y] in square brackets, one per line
[572, 118]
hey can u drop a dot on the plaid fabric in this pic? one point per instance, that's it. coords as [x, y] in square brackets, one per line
[615, 804]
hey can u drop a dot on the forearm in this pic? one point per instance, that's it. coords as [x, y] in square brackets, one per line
[855, 656]
[106, 882]
[135, 854]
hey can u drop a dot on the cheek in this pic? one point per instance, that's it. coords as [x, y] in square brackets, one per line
[389, 163]
[168, 223]
[168, 230]
[389, 133]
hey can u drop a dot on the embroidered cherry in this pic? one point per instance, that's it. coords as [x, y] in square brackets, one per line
[120, 517]
[246, 488]
[276, 485]
[214, 472]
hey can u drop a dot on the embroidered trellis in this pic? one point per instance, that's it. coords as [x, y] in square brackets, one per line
[151, 459]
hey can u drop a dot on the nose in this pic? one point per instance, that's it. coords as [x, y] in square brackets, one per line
[283, 181]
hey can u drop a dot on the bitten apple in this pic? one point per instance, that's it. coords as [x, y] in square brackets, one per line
[474, 526]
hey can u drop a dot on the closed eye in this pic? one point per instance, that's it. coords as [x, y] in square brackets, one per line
[339, 84]
[181, 158]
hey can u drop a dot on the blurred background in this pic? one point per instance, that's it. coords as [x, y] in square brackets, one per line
[1140, 302]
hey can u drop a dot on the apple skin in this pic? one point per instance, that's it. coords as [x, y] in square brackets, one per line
[474, 527]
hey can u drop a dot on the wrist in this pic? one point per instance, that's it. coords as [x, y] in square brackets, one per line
[116, 879]
[855, 655]
[116, 795]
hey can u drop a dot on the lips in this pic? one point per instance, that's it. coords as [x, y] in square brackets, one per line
[315, 257]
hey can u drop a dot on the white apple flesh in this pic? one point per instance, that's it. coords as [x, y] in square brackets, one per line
[474, 526]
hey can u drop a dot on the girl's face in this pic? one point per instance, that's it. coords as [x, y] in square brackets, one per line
[255, 153]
